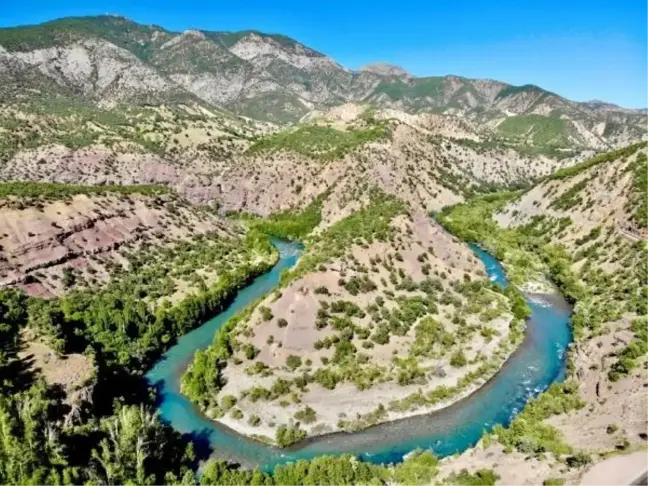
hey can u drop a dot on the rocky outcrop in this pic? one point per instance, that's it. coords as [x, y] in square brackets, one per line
[385, 69]
[84, 234]
[100, 70]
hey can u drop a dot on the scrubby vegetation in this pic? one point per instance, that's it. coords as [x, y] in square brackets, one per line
[51, 190]
[594, 161]
[129, 444]
[427, 315]
[541, 130]
[119, 30]
[64, 119]
[603, 273]
[421, 87]
[320, 142]
[640, 182]
[473, 222]
[133, 446]
[122, 329]
[124, 325]
[131, 320]
[482, 477]
[287, 435]
[512, 90]
[442, 319]
[418, 469]
[290, 224]
[529, 434]
[637, 348]
[202, 383]
[365, 226]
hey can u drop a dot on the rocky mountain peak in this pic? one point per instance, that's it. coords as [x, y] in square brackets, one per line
[603, 105]
[385, 69]
[194, 33]
[190, 36]
[255, 44]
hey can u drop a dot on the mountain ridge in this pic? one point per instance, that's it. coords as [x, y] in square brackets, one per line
[275, 78]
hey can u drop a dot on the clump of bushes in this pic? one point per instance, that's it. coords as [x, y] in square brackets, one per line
[286, 435]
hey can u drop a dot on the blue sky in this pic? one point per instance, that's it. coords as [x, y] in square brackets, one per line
[579, 49]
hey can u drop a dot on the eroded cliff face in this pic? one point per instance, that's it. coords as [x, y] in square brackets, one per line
[88, 234]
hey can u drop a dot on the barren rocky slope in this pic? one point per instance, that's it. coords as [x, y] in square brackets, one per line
[84, 235]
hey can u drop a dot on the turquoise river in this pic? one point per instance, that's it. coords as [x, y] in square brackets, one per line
[539, 361]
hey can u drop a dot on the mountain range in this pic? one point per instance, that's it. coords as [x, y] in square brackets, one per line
[111, 61]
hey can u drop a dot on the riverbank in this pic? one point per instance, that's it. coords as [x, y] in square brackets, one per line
[347, 409]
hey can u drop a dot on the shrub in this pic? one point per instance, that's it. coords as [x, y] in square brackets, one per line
[458, 359]
[293, 362]
[250, 351]
[486, 477]
[326, 378]
[266, 313]
[579, 459]
[529, 433]
[307, 415]
[228, 401]
[257, 393]
[286, 435]
[553, 482]
[418, 469]
[69, 277]
[322, 290]
[280, 387]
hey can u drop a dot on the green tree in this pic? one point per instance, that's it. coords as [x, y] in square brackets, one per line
[31, 450]
[137, 448]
